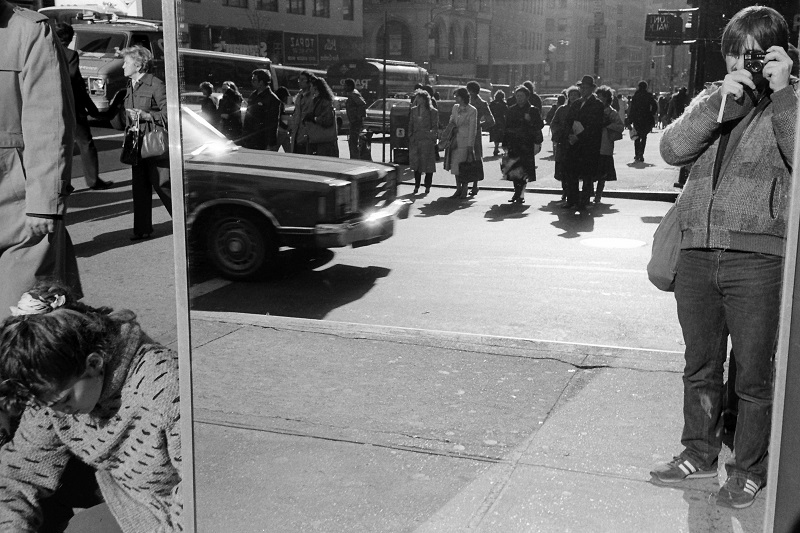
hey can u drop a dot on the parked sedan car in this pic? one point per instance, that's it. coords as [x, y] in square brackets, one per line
[374, 120]
[243, 205]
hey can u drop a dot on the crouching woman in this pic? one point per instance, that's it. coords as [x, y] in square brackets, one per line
[99, 389]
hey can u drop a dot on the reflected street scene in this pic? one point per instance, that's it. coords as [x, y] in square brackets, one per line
[419, 252]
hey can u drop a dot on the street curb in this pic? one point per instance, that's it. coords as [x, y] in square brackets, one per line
[584, 356]
[653, 196]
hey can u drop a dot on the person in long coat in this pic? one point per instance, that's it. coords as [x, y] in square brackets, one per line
[586, 134]
[523, 140]
[485, 121]
[499, 108]
[230, 111]
[612, 131]
[464, 118]
[37, 124]
[320, 122]
[559, 131]
[641, 115]
[423, 125]
[145, 97]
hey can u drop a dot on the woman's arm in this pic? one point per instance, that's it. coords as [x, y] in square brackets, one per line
[30, 470]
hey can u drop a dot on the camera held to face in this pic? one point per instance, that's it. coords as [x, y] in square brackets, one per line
[754, 61]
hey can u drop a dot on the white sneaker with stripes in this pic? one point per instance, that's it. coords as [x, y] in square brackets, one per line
[679, 469]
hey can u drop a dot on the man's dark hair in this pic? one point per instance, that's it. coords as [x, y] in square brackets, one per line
[64, 32]
[764, 24]
[642, 85]
[263, 75]
[349, 84]
[474, 87]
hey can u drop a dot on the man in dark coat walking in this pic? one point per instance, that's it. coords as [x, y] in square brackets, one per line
[641, 115]
[260, 130]
[83, 108]
[585, 122]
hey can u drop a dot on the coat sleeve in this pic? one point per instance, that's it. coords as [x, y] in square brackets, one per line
[695, 130]
[783, 119]
[472, 125]
[48, 123]
[30, 469]
[160, 100]
[488, 118]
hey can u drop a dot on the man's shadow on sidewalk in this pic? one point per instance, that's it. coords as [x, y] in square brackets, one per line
[639, 164]
[574, 222]
[121, 238]
[703, 513]
[501, 212]
[444, 206]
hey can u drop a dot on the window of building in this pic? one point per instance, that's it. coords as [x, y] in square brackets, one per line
[550, 25]
[297, 7]
[267, 5]
[347, 10]
[322, 8]
[235, 3]
[469, 41]
[563, 24]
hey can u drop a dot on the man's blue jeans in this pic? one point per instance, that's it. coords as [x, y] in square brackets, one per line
[722, 292]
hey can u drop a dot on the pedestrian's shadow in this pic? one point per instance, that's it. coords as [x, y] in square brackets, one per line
[444, 206]
[639, 164]
[88, 205]
[574, 222]
[501, 212]
[703, 513]
[120, 239]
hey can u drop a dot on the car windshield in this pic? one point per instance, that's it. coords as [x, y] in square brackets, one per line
[378, 104]
[101, 43]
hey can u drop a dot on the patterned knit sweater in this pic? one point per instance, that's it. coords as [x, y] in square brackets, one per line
[746, 209]
[132, 439]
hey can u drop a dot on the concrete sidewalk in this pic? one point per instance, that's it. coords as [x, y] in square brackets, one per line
[374, 428]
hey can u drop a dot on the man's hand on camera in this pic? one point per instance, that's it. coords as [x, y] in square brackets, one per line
[777, 66]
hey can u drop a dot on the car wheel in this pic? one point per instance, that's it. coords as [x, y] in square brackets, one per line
[241, 247]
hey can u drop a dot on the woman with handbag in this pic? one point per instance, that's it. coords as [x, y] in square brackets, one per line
[145, 109]
[523, 140]
[461, 152]
[321, 121]
[423, 123]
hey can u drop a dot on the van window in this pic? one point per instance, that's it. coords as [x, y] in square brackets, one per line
[103, 43]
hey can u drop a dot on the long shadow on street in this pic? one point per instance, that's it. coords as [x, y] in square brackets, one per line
[574, 223]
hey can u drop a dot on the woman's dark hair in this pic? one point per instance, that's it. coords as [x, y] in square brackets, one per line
[462, 93]
[561, 99]
[422, 93]
[64, 32]
[206, 86]
[323, 88]
[604, 92]
[232, 88]
[474, 87]
[45, 349]
[500, 95]
[764, 24]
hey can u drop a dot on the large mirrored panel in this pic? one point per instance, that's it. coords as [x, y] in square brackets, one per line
[373, 352]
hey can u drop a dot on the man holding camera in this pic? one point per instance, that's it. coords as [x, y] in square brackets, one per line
[739, 138]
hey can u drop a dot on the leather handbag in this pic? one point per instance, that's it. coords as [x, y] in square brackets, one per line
[470, 170]
[155, 141]
[663, 265]
[131, 144]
